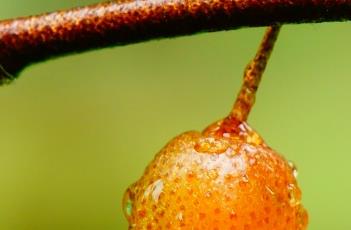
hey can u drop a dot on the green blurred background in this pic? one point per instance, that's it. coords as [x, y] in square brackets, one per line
[76, 131]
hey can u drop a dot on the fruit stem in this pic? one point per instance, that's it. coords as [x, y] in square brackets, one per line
[252, 76]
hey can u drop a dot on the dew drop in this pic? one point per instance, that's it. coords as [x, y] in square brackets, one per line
[245, 178]
[128, 208]
[127, 205]
[212, 174]
[244, 181]
[208, 194]
[293, 195]
[252, 161]
[270, 190]
[294, 169]
[154, 190]
[302, 218]
[250, 149]
[179, 216]
[295, 173]
[211, 145]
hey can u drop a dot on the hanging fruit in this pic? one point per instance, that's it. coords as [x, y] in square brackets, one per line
[225, 177]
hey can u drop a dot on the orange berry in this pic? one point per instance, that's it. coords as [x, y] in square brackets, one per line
[225, 178]
[214, 180]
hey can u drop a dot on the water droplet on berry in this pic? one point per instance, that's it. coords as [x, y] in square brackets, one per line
[294, 169]
[252, 161]
[155, 190]
[270, 190]
[179, 216]
[211, 145]
[245, 178]
[250, 149]
[127, 205]
[212, 174]
[293, 195]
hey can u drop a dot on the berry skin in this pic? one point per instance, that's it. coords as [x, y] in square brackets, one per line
[215, 180]
[225, 178]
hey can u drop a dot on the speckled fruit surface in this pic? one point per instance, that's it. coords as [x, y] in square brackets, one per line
[216, 180]
[224, 178]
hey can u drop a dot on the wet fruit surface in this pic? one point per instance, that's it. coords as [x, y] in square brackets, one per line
[225, 177]
[215, 180]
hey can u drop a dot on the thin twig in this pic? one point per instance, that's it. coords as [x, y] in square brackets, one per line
[235, 122]
[252, 76]
[28, 40]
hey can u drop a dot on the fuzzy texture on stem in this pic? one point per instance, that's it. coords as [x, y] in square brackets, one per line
[33, 39]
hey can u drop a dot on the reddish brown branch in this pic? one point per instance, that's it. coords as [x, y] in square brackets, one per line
[28, 40]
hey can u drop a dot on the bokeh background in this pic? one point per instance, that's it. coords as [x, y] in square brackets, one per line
[76, 131]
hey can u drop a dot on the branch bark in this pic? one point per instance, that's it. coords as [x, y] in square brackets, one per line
[33, 39]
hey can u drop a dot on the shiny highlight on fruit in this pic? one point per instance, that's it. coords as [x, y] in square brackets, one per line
[224, 178]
